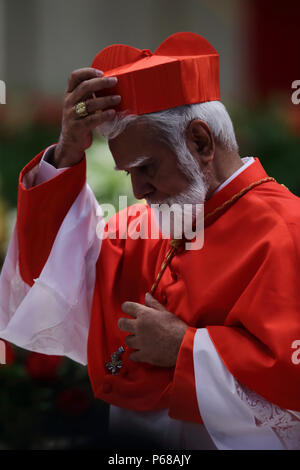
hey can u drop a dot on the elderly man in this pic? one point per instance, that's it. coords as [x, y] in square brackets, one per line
[194, 347]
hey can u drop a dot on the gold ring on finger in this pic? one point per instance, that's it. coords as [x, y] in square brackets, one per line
[80, 109]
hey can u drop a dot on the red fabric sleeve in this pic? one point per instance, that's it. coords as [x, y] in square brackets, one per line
[183, 402]
[40, 212]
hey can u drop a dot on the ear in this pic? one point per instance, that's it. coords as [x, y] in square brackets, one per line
[200, 141]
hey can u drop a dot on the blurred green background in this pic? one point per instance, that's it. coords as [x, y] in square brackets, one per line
[46, 402]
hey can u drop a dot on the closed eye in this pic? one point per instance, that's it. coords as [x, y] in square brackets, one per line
[148, 169]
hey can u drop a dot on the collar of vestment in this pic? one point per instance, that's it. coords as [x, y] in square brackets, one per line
[242, 183]
[247, 161]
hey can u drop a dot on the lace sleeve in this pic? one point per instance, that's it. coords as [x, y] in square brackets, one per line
[284, 423]
[235, 417]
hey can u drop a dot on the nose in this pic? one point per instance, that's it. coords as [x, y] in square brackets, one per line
[141, 187]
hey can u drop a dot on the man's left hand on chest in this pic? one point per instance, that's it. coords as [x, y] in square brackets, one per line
[156, 333]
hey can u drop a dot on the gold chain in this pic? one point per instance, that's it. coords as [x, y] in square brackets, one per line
[238, 195]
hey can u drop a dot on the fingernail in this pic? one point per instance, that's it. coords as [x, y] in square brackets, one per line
[111, 112]
[113, 80]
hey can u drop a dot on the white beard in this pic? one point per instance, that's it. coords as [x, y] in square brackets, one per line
[187, 208]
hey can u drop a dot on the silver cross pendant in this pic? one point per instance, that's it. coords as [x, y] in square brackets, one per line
[116, 362]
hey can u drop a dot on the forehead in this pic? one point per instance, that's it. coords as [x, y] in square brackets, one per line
[137, 142]
[131, 143]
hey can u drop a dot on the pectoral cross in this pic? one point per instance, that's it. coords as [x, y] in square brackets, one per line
[116, 362]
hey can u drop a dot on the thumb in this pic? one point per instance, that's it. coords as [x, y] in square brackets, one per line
[152, 302]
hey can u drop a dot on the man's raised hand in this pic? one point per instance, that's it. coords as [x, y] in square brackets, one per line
[76, 132]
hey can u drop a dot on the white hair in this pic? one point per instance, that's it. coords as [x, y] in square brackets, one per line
[171, 124]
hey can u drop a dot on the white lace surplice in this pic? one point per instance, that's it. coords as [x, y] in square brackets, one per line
[236, 417]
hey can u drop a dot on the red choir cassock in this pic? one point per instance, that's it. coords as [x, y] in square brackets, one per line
[243, 286]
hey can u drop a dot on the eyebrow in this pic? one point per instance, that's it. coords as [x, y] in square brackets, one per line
[137, 162]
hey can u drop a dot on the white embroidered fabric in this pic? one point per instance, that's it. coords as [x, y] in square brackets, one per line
[284, 423]
[236, 417]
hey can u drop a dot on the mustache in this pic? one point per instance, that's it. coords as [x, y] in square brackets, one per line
[193, 195]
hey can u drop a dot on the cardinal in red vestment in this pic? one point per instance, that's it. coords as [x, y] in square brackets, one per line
[192, 340]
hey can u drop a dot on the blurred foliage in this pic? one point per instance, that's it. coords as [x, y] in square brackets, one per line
[271, 133]
[45, 402]
[106, 183]
[17, 149]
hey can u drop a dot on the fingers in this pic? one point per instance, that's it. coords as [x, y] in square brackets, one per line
[132, 308]
[138, 356]
[132, 341]
[87, 87]
[135, 309]
[83, 83]
[77, 76]
[97, 104]
[96, 119]
[76, 132]
[127, 325]
[152, 302]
